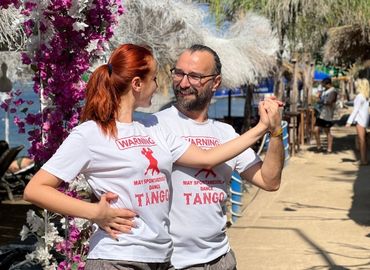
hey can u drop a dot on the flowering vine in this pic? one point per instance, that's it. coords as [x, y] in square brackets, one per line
[64, 36]
[7, 3]
[49, 229]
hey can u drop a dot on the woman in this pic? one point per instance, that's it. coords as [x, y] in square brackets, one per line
[128, 158]
[360, 116]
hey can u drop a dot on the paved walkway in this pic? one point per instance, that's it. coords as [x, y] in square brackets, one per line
[319, 219]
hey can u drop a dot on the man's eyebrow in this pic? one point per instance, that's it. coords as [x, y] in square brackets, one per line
[195, 73]
[190, 73]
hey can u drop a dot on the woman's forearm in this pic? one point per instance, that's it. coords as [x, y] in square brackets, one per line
[198, 158]
[41, 191]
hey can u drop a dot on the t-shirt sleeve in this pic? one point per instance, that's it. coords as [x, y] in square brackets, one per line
[176, 144]
[356, 106]
[246, 159]
[71, 158]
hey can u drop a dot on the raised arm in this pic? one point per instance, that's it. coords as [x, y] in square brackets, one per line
[356, 107]
[199, 158]
[267, 174]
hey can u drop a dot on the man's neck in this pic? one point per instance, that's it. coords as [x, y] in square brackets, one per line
[198, 116]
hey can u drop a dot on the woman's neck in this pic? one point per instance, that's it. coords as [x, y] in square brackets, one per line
[125, 111]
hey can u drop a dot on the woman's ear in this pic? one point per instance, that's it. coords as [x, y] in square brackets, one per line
[136, 84]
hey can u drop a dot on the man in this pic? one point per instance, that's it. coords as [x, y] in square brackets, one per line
[198, 211]
[325, 121]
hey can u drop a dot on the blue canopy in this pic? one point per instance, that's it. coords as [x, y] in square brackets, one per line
[320, 75]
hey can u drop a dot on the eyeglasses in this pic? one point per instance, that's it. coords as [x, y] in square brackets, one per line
[193, 79]
[155, 80]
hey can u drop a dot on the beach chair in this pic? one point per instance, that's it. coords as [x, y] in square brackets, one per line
[7, 184]
[3, 147]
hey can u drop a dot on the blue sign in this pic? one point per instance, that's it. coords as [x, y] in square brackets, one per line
[224, 92]
[266, 86]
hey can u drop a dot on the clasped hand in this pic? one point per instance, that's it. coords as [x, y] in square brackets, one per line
[119, 220]
[270, 115]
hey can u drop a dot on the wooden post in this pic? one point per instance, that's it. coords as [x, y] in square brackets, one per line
[312, 74]
[294, 92]
[293, 106]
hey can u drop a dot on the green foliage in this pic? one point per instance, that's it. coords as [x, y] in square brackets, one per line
[303, 23]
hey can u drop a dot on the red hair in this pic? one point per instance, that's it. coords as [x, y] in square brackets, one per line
[109, 81]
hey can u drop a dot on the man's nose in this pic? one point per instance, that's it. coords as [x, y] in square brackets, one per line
[184, 83]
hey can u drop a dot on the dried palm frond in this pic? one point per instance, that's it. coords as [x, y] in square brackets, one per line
[168, 27]
[12, 36]
[248, 52]
[171, 26]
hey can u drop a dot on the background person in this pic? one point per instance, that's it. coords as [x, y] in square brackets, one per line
[6, 84]
[324, 121]
[360, 116]
[128, 158]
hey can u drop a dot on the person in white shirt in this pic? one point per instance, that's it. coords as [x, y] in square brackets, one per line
[132, 159]
[360, 116]
[324, 121]
[198, 211]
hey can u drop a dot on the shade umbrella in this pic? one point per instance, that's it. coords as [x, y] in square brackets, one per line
[320, 75]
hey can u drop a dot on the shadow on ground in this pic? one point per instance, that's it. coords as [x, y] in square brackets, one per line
[360, 209]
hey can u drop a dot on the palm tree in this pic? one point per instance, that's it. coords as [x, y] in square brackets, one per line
[301, 24]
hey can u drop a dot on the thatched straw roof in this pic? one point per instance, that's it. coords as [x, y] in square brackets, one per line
[246, 53]
[347, 44]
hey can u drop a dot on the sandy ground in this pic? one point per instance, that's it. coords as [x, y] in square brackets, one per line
[319, 219]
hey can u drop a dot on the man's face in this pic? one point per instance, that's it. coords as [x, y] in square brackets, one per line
[194, 92]
[326, 85]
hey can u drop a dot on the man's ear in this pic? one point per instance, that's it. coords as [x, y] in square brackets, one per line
[217, 82]
[136, 84]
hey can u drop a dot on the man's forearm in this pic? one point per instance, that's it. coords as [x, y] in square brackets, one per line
[273, 163]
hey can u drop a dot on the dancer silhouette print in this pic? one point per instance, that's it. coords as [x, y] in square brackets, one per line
[153, 163]
[207, 171]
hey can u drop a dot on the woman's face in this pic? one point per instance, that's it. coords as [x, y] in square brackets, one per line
[149, 86]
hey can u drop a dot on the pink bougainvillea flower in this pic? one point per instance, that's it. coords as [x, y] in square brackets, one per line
[59, 61]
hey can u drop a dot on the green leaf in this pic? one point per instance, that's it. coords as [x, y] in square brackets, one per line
[85, 77]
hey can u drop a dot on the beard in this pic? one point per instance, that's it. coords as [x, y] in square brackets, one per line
[199, 102]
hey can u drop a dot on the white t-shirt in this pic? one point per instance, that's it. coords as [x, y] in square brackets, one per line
[198, 210]
[327, 109]
[137, 166]
[360, 113]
